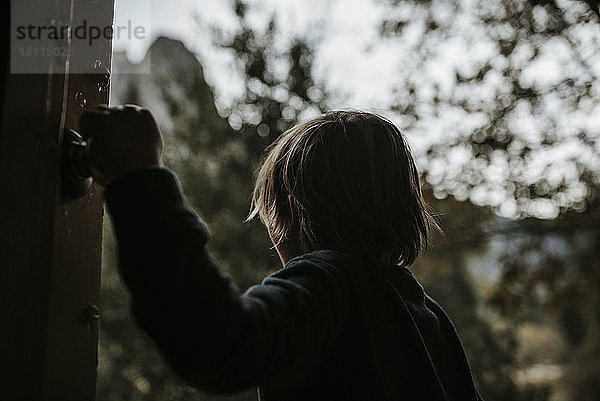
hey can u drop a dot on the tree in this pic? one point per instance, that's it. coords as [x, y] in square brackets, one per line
[510, 89]
[550, 275]
[279, 88]
[443, 271]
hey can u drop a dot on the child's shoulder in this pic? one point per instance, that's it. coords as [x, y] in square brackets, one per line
[337, 260]
[324, 261]
[327, 263]
[325, 256]
[323, 267]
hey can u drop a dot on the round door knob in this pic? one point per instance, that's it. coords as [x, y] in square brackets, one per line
[75, 170]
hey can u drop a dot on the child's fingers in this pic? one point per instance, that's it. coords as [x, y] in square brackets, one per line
[95, 165]
[99, 108]
[91, 123]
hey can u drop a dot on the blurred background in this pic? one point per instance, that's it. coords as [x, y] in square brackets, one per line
[500, 102]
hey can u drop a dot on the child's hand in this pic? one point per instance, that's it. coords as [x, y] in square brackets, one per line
[121, 140]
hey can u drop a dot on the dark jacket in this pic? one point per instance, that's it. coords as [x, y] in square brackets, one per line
[328, 326]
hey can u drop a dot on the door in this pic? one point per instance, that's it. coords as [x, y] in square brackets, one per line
[50, 247]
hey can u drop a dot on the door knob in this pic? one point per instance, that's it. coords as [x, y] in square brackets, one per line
[75, 170]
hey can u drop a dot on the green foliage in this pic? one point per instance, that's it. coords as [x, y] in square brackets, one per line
[444, 271]
[513, 105]
[273, 100]
[544, 290]
[551, 276]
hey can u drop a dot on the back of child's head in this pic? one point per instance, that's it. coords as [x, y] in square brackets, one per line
[344, 181]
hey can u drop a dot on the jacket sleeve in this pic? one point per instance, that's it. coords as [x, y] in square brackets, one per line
[213, 336]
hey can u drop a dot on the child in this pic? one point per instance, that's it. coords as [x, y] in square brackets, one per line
[343, 320]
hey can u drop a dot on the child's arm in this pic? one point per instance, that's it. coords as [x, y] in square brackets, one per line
[213, 336]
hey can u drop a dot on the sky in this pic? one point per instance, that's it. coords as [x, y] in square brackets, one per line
[353, 79]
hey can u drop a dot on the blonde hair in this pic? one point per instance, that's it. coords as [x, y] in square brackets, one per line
[345, 181]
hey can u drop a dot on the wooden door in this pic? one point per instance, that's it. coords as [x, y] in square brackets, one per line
[49, 248]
